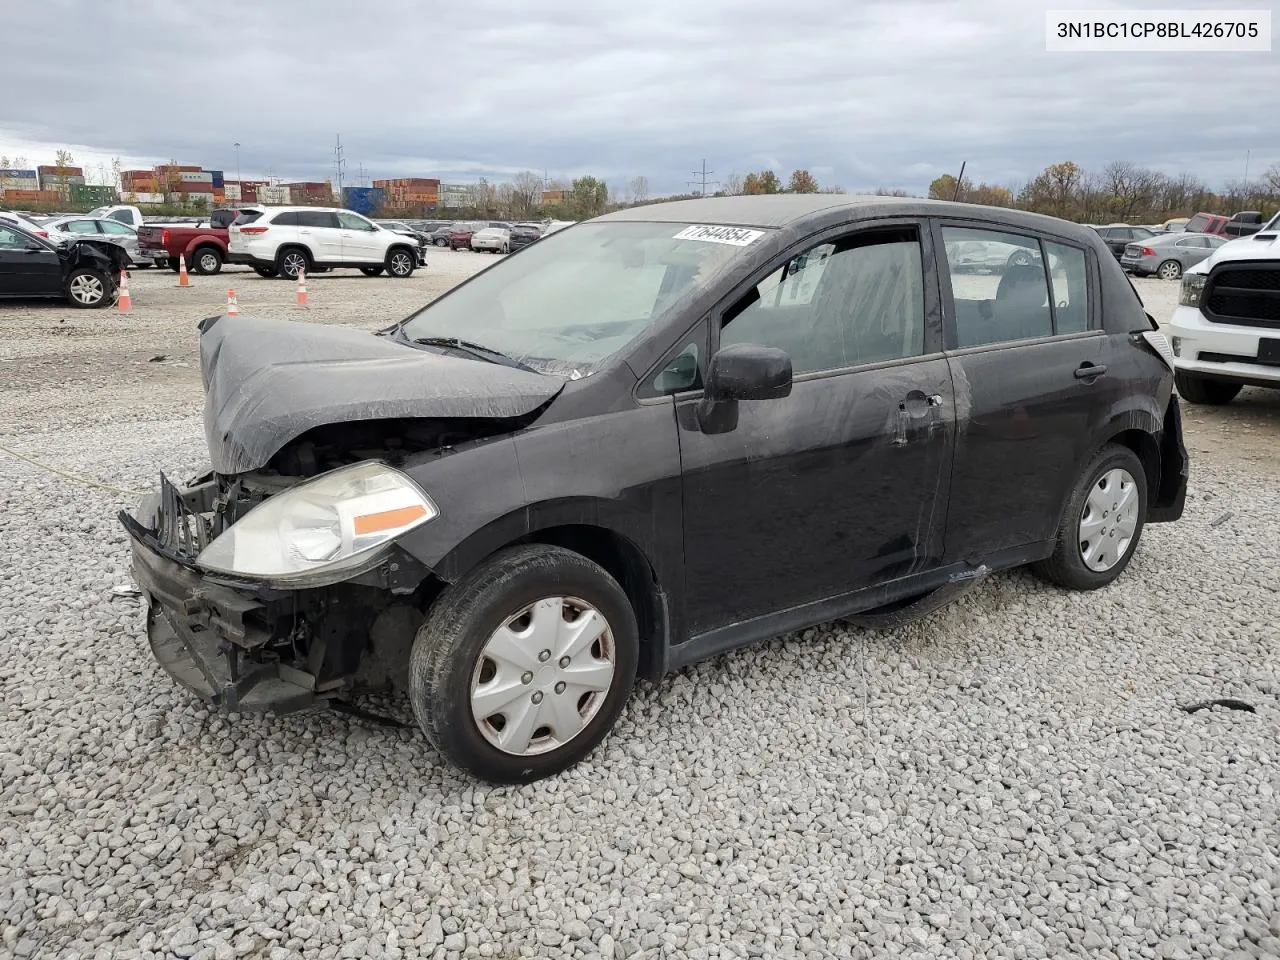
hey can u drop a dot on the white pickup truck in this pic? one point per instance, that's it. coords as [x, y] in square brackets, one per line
[125, 214]
[1225, 332]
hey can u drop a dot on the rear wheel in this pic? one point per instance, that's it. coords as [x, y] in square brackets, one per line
[372, 271]
[1102, 524]
[442, 243]
[207, 260]
[400, 262]
[1169, 270]
[523, 666]
[1202, 390]
[291, 261]
[88, 288]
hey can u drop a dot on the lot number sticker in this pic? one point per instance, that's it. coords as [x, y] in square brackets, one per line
[734, 236]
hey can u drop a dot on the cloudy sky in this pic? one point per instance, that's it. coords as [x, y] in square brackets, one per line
[863, 94]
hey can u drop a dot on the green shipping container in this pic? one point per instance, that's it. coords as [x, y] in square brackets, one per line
[92, 193]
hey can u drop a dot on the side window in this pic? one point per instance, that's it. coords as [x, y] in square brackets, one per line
[857, 300]
[124, 216]
[1009, 299]
[116, 227]
[1069, 278]
[682, 371]
[80, 226]
[287, 219]
[349, 221]
[12, 240]
[317, 219]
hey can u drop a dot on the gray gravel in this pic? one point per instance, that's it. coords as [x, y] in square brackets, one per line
[1012, 778]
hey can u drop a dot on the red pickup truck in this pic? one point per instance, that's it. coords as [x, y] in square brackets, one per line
[204, 244]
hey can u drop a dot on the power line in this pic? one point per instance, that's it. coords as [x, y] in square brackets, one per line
[339, 162]
[702, 180]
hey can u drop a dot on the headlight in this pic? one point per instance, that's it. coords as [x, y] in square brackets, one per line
[1192, 287]
[323, 530]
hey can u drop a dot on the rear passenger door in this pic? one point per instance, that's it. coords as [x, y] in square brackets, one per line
[1029, 363]
[321, 232]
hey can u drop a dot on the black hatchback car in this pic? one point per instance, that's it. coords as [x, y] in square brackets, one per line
[651, 438]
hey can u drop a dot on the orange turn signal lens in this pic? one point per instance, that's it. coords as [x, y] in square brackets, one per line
[388, 519]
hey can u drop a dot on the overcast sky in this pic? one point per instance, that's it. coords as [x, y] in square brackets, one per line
[863, 94]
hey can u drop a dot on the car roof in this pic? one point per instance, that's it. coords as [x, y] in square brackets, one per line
[796, 210]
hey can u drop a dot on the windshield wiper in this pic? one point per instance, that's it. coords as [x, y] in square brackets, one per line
[487, 354]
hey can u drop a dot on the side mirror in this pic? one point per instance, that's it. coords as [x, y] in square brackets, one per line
[748, 371]
[33, 247]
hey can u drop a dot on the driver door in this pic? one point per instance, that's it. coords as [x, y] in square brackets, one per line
[27, 266]
[361, 240]
[843, 484]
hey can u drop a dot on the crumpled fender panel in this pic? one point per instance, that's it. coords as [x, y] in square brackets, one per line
[267, 382]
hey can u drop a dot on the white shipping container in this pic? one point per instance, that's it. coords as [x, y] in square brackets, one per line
[201, 177]
[231, 191]
[278, 195]
[149, 197]
[19, 183]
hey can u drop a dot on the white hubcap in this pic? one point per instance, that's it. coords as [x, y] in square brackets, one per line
[1109, 520]
[86, 289]
[543, 676]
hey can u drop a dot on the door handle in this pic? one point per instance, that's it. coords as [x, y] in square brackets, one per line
[1090, 371]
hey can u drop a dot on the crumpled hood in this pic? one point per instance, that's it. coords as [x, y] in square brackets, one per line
[267, 382]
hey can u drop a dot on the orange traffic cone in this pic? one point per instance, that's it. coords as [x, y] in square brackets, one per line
[301, 299]
[183, 280]
[125, 303]
[233, 310]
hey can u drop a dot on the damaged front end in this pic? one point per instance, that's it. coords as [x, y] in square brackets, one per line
[248, 645]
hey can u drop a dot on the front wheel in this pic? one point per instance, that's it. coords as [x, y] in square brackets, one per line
[88, 289]
[523, 666]
[1169, 270]
[1213, 393]
[400, 263]
[1102, 524]
[442, 243]
[371, 271]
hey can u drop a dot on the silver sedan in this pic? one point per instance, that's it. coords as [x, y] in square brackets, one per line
[1169, 254]
[112, 231]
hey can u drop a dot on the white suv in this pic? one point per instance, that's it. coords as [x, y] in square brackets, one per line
[281, 241]
[1225, 333]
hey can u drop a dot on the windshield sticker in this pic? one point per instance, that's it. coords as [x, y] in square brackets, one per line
[734, 236]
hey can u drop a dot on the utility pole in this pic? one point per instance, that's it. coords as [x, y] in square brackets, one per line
[237, 146]
[364, 181]
[339, 162]
[702, 180]
[1246, 165]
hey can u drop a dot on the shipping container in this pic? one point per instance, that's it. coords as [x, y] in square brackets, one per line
[150, 197]
[277, 195]
[230, 192]
[93, 194]
[363, 200]
[7, 172]
[201, 176]
[218, 180]
[219, 195]
[17, 197]
[60, 171]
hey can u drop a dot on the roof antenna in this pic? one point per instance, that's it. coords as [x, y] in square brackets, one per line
[959, 180]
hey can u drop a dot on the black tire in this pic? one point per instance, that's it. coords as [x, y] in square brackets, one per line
[447, 653]
[267, 273]
[1169, 270]
[442, 243]
[372, 271]
[1202, 390]
[289, 260]
[1019, 258]
[175, 266]
[1066, 566]
[401, 262]
[206, 261]
[89, 289]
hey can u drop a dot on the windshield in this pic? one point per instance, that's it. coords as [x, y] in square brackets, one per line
[573, 300]
[1272, 225]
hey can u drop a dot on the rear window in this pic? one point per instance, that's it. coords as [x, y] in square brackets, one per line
[1199, 223]
[247, 216]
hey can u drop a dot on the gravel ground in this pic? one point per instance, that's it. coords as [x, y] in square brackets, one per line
[1011, 778]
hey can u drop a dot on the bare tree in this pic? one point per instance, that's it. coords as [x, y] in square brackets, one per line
[733, 185]
[526, 194]
[639, 189]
